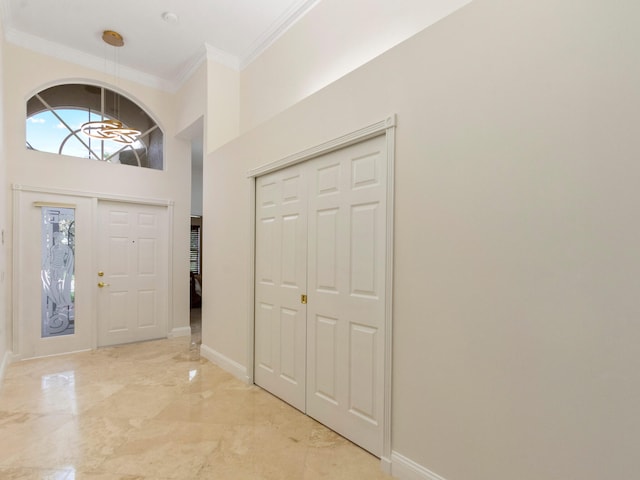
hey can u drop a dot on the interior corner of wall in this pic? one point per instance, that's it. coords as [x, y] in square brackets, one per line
[227, 364]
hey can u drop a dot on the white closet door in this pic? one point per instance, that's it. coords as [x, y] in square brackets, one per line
[281, 257]
[346, 309]
[321, 231]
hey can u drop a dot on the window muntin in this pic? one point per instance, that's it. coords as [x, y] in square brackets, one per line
[55, 115]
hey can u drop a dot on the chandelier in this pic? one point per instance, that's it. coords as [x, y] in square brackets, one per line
[110, 130]
[107, 129]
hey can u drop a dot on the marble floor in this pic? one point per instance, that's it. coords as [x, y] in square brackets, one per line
[156, 410]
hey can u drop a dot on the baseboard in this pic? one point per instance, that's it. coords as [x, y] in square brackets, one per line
[231, 366]
[405, 469]
[6, 360]
[180, 332]
[385, 465]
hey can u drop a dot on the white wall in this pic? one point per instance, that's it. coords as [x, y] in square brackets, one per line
[516, 326]
[196, 175]
[4, 314]
[190, 108]
[26, 73]
[223, 105]
[331, 40]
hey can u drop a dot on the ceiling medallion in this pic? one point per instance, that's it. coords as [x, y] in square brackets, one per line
[112, 38]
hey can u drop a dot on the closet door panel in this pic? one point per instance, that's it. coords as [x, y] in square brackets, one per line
[281, 279]
[346, 309]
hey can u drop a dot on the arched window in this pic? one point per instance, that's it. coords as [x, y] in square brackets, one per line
[55, 117]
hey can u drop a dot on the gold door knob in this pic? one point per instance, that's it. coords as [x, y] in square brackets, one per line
[102, 284]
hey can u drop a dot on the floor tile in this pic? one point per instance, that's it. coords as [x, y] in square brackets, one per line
[158, 411]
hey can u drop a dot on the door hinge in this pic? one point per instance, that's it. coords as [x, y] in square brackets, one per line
[303, 299]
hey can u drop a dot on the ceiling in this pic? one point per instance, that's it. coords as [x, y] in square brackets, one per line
[156, 52]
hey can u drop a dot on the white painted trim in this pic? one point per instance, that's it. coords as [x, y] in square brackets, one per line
[406, 469]
[5, 14]
[97, 198]
[388, 361]
[385, 465]
[77, 57]
[191, 67]
[15, 297]
[100, 196]
[251, 303]
[279, 28]
[227, 364]
[172, 85]
[220, 56]
[6, 360]
[95, 229]
[179, 332]
[326, 147]
[22, 358]
[171, 247]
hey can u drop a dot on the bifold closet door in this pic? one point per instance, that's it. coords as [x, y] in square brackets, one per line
[346, 298]
[321, 232]
[281, 279]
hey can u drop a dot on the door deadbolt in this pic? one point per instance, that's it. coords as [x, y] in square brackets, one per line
[303, 299]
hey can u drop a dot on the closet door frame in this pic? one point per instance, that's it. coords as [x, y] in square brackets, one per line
[384, 127]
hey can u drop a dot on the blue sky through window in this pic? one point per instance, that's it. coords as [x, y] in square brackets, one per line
[46, 133]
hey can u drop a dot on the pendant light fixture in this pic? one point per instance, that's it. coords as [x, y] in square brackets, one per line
[107, 129]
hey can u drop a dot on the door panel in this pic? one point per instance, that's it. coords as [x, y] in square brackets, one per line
[325, 362]
[346, 291]
[31, 338]
[339, 356]
[281, 257]
[133, 255]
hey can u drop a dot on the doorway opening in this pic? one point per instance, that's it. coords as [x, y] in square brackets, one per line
[195, 280]
[195, 242]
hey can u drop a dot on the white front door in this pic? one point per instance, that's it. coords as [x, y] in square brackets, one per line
[133, 260]
[339, 256]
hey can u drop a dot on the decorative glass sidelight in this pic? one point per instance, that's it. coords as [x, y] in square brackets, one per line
[58, 274]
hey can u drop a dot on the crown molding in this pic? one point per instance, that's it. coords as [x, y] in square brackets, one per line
[279, 28]
[222, 57]
[208, 52]
[72, 55]
[188, 69]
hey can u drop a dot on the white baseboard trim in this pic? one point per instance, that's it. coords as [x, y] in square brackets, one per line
[385, 465]
[180, 332]
[405, 469]
[234, 368]
[6, 360]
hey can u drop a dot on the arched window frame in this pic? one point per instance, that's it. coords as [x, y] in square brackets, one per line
[100, 103]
